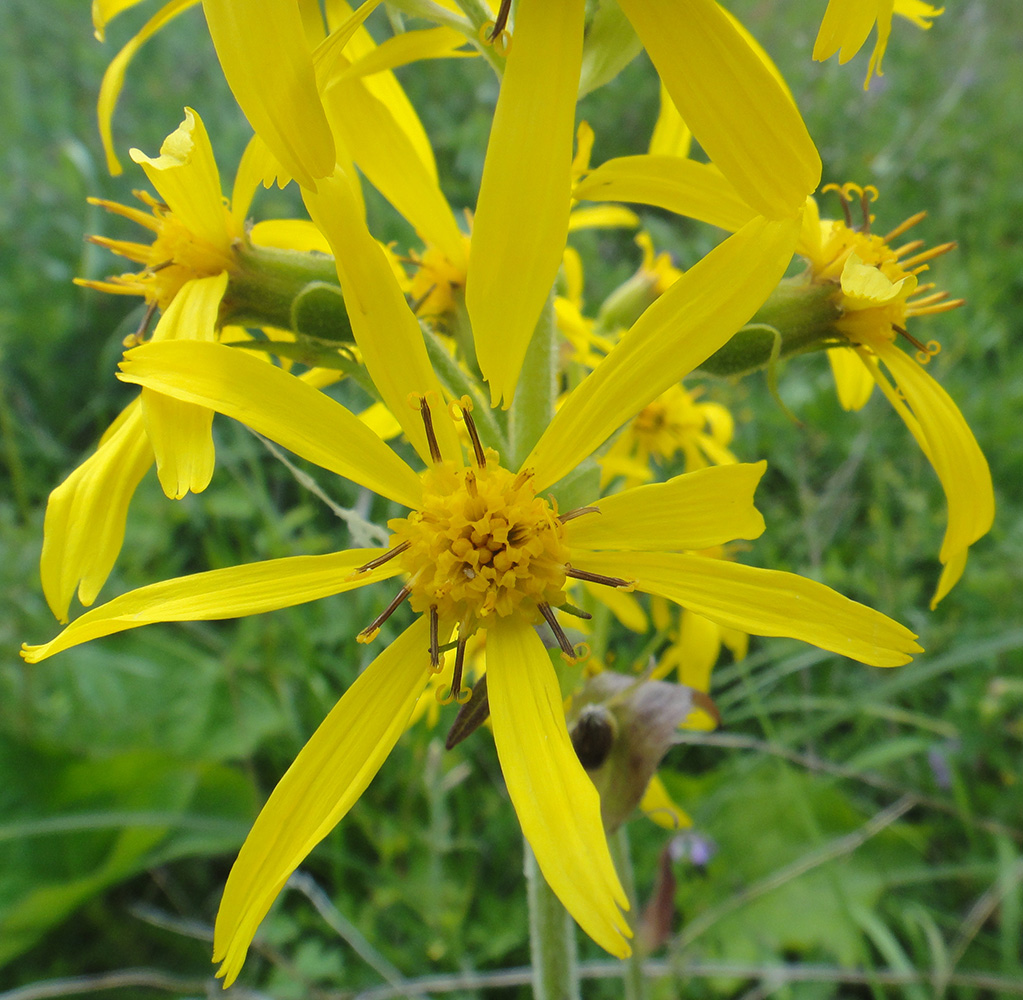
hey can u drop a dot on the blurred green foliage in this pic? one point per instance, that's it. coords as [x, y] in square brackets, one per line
[131, 768]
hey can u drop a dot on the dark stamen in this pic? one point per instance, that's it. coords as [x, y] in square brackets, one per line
[421, 301]
[571, 609]
[370, 631]
[559, 633]
[434, 637]
[470, 426]
[607, 581]
[384, 558]
[456, 673]
[502, 19]
[470, 483]
[431, 437]
[865, 209]
[846, 212]
[578, 512]
[147, 318]
[153, 268]
[905, 333]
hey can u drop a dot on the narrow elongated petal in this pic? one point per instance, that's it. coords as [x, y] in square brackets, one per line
[268, 65]
[235, 592]
[671, 135]
[845, 26]
[658, 806]
[388, 334]
[385, 85]
[692, 511]
[852, 378]
[277, 405]
[113, 78]
[736, 108]
[185, 174]
[181, 433]
[104, 11]
[522, 213]
[556, 802]
[330, 773]
[410, 47]
[685, 187]
[762, 602]
[86, 514]
[687, 324]
[952, 449]
[374, 139]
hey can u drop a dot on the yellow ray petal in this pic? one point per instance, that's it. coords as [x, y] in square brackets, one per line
[113, 79]
[234, 592]
[374, 139]
[699, 646]
[410, 47]
[846, 25]
[521, 215]
[659, 806]
[602, 217]
[185, 175]
[86, 514]
[685, 187]
[623, 606]
[953, 451]
[556, 802]
[330, 773]
[276, 404]
[736, 108]
[289, 234]
[266, 60]
[671, 135]
[690, 321]
[181, 436]
[692, 511]
[762, 602]
[104, 11]
[385, 87]
[180, 433]
[852, 378]
[386, 331]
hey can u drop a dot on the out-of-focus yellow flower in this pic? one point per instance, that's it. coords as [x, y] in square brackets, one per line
[847, 24]
[676, 423]
[878, 295]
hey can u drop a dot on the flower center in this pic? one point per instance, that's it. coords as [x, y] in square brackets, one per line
[482, 544]
[175, 256]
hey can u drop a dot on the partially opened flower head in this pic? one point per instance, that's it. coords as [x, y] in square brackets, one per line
[879, 298]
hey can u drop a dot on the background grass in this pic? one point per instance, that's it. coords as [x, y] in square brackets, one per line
[130, 769]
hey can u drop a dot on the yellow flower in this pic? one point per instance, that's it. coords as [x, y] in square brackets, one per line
[185, 274]
[674, 423]
[482, 549]
[847, 24]
[877, 293]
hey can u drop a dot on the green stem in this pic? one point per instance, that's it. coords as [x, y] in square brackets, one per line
[287, 289]
[533, 406]
[551, 939]
[635, 983]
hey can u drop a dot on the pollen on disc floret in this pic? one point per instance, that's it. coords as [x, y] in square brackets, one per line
[483, 543]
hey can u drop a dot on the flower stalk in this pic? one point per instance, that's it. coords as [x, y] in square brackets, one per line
[797, 318]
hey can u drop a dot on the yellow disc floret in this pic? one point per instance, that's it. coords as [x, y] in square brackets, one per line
[482, 544]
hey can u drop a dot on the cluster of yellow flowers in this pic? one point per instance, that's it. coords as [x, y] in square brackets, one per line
[481, 355]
